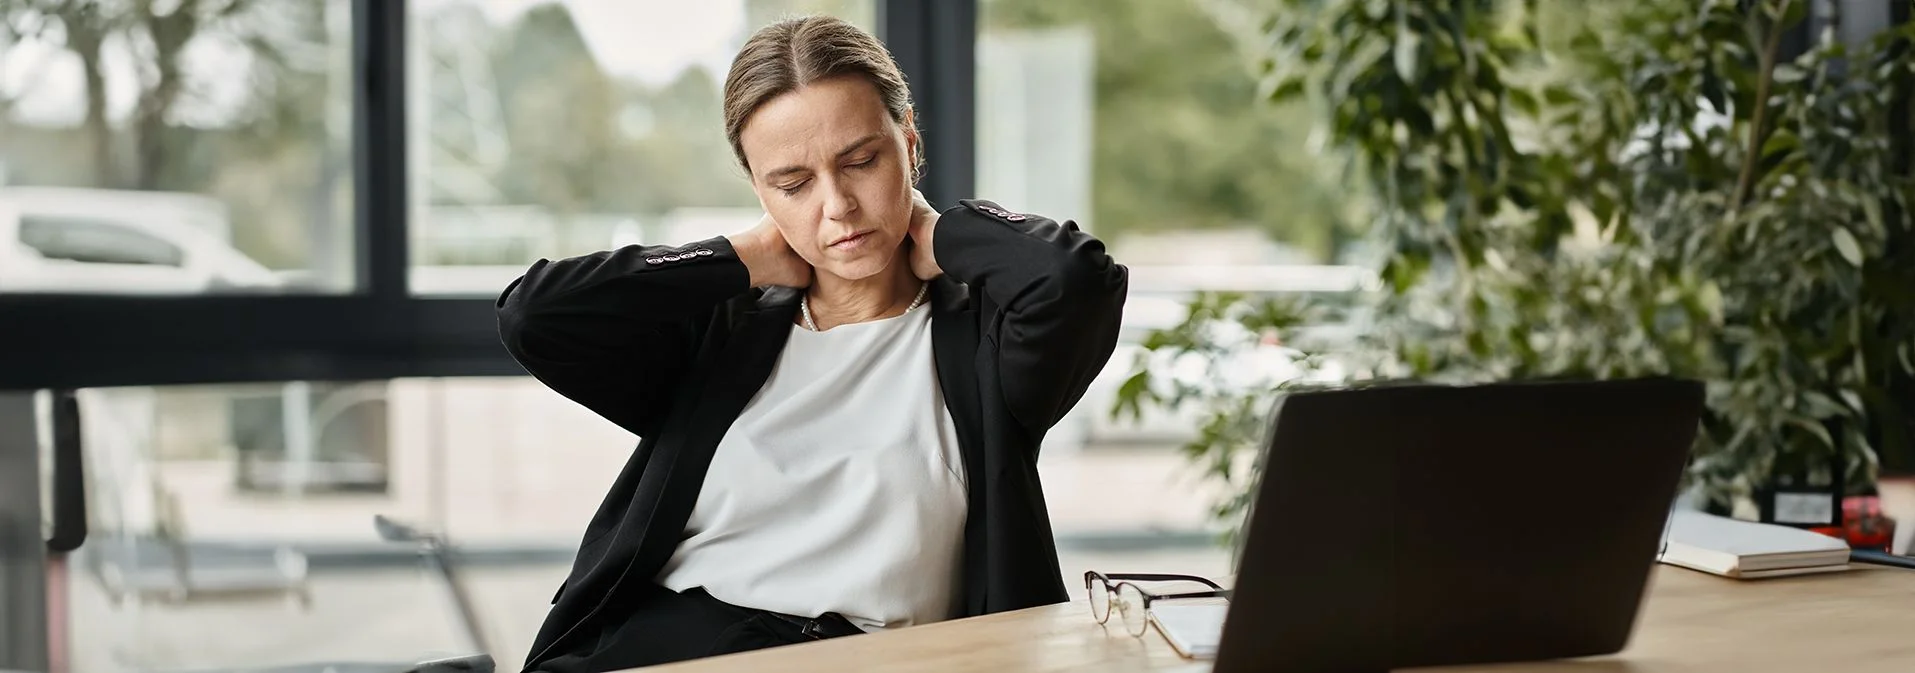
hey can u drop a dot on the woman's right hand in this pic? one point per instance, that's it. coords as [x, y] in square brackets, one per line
[769, 258]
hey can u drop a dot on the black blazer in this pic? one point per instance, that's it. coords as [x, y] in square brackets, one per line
[671, 343]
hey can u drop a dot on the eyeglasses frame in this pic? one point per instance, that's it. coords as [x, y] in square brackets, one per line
[1112, 589]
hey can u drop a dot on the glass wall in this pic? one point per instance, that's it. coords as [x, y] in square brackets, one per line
[551, 129]
[250, 509]
[1140, 120]
[176, 148]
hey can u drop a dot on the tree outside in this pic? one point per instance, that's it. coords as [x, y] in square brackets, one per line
[237, 99]
[1180, 139]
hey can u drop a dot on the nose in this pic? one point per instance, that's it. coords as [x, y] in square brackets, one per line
[839, 204]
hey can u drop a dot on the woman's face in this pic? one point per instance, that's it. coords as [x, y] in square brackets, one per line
[834, 171]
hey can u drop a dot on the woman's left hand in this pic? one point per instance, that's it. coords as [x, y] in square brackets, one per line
[924, 220]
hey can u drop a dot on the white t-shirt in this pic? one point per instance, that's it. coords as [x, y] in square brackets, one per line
[839, 488]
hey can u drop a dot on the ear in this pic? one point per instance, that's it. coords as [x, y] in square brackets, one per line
[913, 144]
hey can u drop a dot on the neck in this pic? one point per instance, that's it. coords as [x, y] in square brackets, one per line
[840, 301]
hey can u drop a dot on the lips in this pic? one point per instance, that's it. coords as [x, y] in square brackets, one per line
[851, 240]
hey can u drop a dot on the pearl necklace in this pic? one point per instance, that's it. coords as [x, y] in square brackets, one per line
[804, 306]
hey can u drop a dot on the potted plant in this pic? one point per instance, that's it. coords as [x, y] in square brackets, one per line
[1659, 189]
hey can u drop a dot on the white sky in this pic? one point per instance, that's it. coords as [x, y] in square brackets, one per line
[645, 40]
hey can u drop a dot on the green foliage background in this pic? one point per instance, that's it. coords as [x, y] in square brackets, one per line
[1656, 190]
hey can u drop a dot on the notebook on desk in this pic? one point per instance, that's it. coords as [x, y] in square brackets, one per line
[1192, 630]
[1749, 550]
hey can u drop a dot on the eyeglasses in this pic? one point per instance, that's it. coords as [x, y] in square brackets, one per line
[1132, 601]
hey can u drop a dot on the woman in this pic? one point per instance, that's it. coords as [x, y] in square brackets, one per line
[840, 409]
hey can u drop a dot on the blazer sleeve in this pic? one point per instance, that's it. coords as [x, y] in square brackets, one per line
[1060, 299]
[616, 330]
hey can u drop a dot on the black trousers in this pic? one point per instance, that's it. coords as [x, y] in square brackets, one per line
[661, 626]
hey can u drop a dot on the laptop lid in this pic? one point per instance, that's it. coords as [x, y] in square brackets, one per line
[1425, 525]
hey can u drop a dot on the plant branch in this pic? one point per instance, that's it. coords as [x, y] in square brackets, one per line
[1759, 131]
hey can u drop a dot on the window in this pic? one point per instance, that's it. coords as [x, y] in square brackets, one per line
[221, 130]
[553, 129]
[1140, 120]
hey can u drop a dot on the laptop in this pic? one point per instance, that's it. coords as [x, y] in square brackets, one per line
[1427, 525]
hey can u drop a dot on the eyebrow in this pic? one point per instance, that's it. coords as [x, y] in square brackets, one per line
[852, 147]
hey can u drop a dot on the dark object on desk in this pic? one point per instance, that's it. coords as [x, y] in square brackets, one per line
[1429, 565]
[1881, 558]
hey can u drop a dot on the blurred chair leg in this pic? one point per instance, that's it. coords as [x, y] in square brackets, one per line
[437, 552]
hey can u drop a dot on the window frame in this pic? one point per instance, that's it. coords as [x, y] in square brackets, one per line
[380, 330]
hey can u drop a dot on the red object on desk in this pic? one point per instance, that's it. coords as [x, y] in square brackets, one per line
[1864, 526]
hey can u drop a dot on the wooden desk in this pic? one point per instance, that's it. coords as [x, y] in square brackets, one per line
[1861, 621]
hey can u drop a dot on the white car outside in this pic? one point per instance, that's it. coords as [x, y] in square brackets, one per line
[96, 241]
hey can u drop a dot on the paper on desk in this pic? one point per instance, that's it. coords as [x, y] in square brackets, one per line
[1192, 629]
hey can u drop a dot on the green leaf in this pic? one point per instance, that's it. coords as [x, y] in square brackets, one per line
[1404, 271]
[1821, 406]
[1709, 297]
[1585, 40]
[1478, 344]
[1813, 427]
[1525, 101]
[1788, 74]
[1287, 89]
[1407, 58]
[1872, 213]
[1854, 400]
[1560, 95]
[1782, 141]
[1713, 91]
[1846, 244]
[1792, 13]
[1157, 339]
[1131, 396]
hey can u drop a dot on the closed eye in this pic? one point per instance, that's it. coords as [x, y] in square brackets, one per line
[794, 189]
